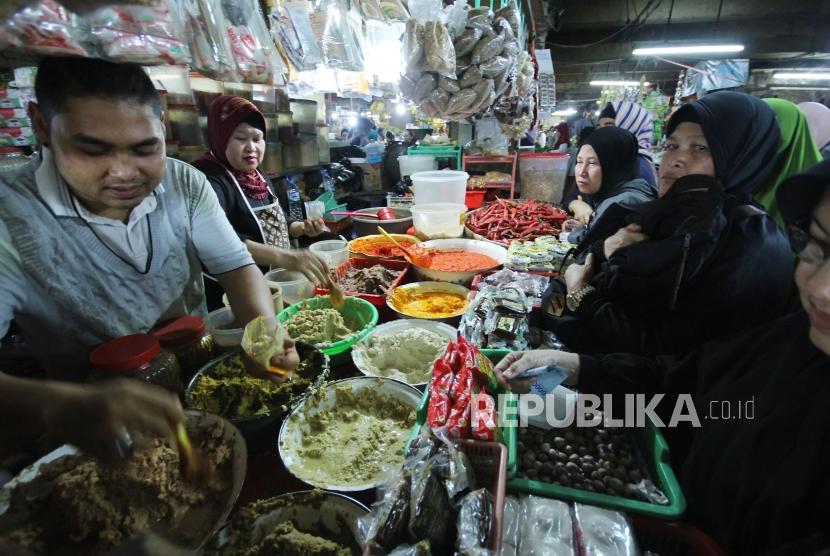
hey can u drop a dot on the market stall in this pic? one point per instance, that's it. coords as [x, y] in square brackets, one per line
[393, 435]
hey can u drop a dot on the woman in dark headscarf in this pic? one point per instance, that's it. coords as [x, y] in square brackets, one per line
[754, 466]
[637, 119]
[700, 262]
[236, 137]
[605, 171]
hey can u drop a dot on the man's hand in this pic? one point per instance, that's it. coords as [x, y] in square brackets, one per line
[581, 210]
[578, 275]
[100, 418]
[520, 361]
[624, 237]
[313, 267]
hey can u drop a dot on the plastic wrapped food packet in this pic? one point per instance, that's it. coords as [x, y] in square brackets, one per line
[495, 67]
[546, 528]
[209, 45]
[510, 526]
[475, 520]
[262, 339]
[468, 40]
[253, 49]
[425, 85]
[420, 549]
[413, 45]
[340, 49]
[470, 77]
[384, 527]
[602, 532]
[511, 13]
[370, 9]
[456, 16]
[440, 98]
[139, 34]
[292, 31]
[439, 52]
[487, 48]
[449, 85]
[44, 27]
[430, 512]
[394, 10]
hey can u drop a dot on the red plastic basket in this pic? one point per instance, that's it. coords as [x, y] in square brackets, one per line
[673, 539]
[489, 461]
[379, 300]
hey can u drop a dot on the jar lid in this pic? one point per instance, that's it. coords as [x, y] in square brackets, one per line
[123, 354]
[179, 331]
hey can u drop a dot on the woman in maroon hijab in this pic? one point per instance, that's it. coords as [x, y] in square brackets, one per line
[236, 137]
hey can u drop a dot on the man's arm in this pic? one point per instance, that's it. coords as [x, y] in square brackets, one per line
[248, 293]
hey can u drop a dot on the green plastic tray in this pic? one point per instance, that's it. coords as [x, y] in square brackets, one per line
[655, 451]
[508, 433]
[356, 312]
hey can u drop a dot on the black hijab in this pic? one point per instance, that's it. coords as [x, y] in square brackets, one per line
[743, 137]
[608, 112]
[616, 149]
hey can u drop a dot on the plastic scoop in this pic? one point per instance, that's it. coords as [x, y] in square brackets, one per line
[262, 339]
[385, 213]
[336, 296]
[406, 251]
[195, 468]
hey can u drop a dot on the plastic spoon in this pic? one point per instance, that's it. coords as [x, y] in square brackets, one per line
[336, 296]
[406, 251]
[195, 468]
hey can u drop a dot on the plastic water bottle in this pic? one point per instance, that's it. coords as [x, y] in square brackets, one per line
[295, 202]
[328, 183]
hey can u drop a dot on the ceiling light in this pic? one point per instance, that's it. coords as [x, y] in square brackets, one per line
[597, 113]
[400, 109]
[568, 112]
[803, 76]
[799, 88]
[688, 49]
[617, 83]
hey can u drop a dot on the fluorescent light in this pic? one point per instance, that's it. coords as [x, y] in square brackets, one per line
[803, 76]
[568, 112]
[688, 49]
[400, 109]
[353, 121]
[799, 88]
[616, 83]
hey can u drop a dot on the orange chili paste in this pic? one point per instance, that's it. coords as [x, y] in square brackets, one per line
[460, 261]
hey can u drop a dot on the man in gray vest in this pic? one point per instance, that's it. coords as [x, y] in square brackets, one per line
[104, 236]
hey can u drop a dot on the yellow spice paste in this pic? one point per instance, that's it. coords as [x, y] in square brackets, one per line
[434, 304]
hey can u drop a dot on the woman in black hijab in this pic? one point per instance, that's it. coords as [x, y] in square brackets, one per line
[606, 174]
[700, 262]
[754, 468]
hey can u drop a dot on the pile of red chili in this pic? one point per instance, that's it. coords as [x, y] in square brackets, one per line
[461, 378]
[505, 220]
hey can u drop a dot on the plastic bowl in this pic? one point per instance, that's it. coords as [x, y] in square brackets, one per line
[316, 512]
[439, 220]
[358, 314]
[369, 226]
[294, 285]
[464, 278]
[359, 354]
[333, 251]
[357, 247]
[414, 163]
[294, 427]
[260, 432]
[452, 320]
[217, 322]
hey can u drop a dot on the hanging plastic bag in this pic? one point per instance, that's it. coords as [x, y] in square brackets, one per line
[340, 49]
[475, 521]
[210, 48]
[394, 11]
[253, 50]
[292, 29]
[369, 10]
[384, 527]
[43, 28]
[140, 34]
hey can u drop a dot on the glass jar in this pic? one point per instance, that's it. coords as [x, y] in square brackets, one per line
[137, 356]
[188, 339]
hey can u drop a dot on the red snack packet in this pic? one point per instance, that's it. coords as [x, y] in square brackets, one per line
[483, 416]
[458, 424]
[438, 412]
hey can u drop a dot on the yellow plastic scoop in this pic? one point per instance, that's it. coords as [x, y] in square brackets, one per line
[195, 468]
[336, 296]
[263, 339]
[406, 251]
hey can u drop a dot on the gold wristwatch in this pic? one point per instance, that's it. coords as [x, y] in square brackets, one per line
[573, 299]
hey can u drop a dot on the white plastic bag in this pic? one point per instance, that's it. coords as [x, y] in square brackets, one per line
[546, 529]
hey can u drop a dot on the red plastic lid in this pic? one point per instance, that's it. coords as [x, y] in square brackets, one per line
[179, 331]
[123, 354]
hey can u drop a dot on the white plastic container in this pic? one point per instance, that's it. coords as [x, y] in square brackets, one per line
[276, 296]
[446, 186]
[414, 163]
[218, 323]
[294, 285]
[333, 251]
[438, 220]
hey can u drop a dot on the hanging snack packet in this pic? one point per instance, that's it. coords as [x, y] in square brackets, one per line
[253, 50]
[44, 27]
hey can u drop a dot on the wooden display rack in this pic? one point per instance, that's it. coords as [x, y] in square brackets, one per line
[508, 159]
